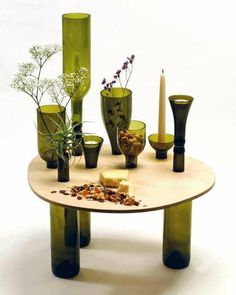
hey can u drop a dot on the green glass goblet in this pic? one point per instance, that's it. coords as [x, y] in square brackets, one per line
[131, 137]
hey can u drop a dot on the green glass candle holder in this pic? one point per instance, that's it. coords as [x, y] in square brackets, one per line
[131, 140]
[161, 148]
[47, 115]
[91, 146]
[116, 106]
[65, 241]
[180, 105]
[177, 235]
[76, 55]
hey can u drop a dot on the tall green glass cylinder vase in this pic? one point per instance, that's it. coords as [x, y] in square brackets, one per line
[177, 235]
[46, 116]
[65, 258]
[116, 107]
[76, 55]
[180, 105]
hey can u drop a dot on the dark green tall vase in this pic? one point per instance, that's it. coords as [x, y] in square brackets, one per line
[46, 114]
[116, 107]
[177, 235]
[76, 55]
[180, 105]
[65, 258]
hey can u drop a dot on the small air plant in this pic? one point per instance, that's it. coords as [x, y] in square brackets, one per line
[63, 139]
[62, 143]
[126, 70]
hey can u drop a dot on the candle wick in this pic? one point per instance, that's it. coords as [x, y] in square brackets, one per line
[162, 71]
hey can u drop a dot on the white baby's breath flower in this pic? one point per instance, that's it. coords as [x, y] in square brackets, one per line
[31, 83]
[56, 92]
[75, 83]
[26, 69]
[24, 83]
[42, 53]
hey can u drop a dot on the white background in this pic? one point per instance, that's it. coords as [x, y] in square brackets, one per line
[195, 42]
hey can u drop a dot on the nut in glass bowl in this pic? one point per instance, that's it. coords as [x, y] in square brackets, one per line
[131, 140]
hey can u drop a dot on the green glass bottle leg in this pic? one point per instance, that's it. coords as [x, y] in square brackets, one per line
[65, 258]
[177, 235]
[85, 228]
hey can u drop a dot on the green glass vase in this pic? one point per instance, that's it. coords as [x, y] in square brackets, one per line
[76, 55]
[180, 105]
[63, 168]
[177, 235]
[46, 116]
[116, 107]
[65, 258]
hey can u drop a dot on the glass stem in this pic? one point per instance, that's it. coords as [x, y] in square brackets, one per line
[76, 108]
[131, 161]
[178, 163]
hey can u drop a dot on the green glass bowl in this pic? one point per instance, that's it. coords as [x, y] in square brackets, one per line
[161, 148]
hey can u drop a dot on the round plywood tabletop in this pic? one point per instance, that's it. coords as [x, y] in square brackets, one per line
[153, 182]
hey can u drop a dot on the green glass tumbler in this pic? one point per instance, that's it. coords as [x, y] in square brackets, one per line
[91, 146]
[180, 105]
[76, 55]
[116, 106]
[47, 115]
[177, 235]
[131, 140]
[65, 239]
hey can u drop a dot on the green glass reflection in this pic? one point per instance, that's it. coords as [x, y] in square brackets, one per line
[116, 106]
[177, 235]
[46, 114]
[65, 259]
